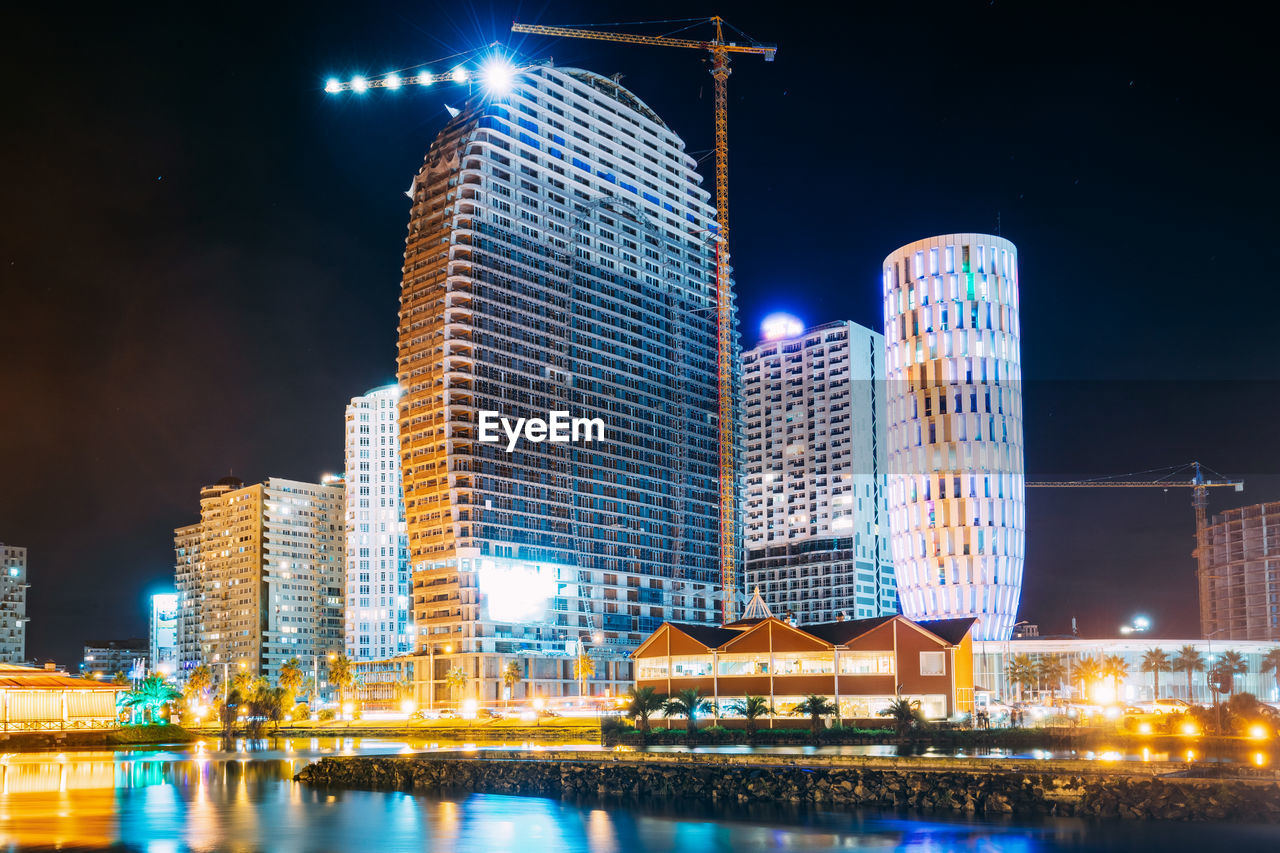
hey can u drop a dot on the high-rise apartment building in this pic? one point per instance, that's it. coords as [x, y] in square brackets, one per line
[1240, 585]
[379, 613]
[259, 578]
[13, 604]
[816, 504]
[560, 258]
[164, 634]
[956, 475]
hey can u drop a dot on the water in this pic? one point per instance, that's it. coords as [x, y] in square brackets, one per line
[202, 798]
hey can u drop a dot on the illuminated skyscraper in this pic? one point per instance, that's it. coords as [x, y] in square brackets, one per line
[816, 514]
[13, 604]
[379, 617]
[559, 258]
[259, 577]
[163, 635]
[956, 477]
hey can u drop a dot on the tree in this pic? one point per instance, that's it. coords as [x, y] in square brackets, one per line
[906, 715]
[687, 703]
[1021, 672]
[153, 694]
[584, 667]
[815, 707]
[267, 704]
[1115, 667]
[644, 702]
[752, 708]
[1271, 663]
[199, 681]
[1155, 662]
[511, 676]
[121, 679]
[243, 682]
[1088, 671]
[1188, 660]
[291, 680]
[1051, 670]
[342, 675]
[1227, 667]
[456, 681]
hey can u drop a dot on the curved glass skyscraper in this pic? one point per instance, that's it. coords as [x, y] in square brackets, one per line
[956, 480]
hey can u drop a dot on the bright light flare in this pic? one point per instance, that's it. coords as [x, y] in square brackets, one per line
[392, 81]
[1190, 729]
[778, 326]
[359, 84]
[424, 79]
[459, 75]
[1258, 731]
[497, 76]
[333, 85]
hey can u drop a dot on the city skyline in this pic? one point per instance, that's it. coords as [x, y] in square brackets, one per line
[1078, 196]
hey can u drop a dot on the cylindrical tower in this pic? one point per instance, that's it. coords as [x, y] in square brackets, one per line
[956, 480]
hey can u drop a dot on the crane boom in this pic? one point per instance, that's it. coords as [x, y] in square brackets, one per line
[726, 417]
[765, 50]
[1199, 502]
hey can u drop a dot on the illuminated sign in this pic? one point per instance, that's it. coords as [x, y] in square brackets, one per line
[516, 591]
[775, 327]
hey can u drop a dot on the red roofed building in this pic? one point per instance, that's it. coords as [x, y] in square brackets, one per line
[862, 665]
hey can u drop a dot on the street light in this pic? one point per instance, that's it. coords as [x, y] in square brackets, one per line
[1138, 625]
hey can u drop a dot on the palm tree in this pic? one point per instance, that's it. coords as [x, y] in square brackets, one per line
[906, 714]
[1052, 671]
[456, 680]
[199, 680]
[511, 676]
[1115, 667]
[815, 707]
[1271, 663]
[645, 701]
[1188, 660]
[687, 703]
[752, 708]
[120, 678]
[1021, 671]
[342, 675]
[153, 694]
[1231, 664]
[1156, 662]
[584, 667]
[243, 682]
[292, 678]
[1088, 671]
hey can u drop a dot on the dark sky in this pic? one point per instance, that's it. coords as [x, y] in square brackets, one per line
[200, 251]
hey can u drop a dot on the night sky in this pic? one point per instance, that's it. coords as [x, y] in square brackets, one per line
[200, 251]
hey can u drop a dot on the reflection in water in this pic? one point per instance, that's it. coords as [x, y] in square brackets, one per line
[241, 795]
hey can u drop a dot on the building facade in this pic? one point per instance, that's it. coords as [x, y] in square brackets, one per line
[992, 659]
[163, 649]
[1240, 587]
[861, 665]
[379, 613]
[262, 577]
[106, 658]
[47, 700]
[560, 258]
[956, 475]
[13, 604]
[816, 499]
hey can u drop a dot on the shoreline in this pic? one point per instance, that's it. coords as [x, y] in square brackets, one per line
[1066, 788]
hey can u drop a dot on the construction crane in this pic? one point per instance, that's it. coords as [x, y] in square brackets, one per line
[720, 50]
[1199, 486]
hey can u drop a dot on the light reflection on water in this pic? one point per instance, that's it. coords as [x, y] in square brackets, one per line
[208, 798]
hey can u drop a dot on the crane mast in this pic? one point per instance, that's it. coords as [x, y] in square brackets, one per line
[720, 50]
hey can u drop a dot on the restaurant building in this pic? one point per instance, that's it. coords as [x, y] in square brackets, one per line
[46, 700]
[862, 665]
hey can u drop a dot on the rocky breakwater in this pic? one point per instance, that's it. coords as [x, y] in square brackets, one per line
[954, 785]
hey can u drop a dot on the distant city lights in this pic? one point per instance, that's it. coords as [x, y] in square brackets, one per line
[496, 74]
[777, 326]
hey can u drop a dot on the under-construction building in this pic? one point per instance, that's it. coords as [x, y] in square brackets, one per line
[1240, 579]
[560, 258]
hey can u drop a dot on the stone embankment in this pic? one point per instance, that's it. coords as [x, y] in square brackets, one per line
[973, 786]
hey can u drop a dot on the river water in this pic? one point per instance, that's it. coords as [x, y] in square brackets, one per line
[244, 798]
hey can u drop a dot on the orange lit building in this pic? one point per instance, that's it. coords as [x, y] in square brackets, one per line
[46, 700]
[862, 665]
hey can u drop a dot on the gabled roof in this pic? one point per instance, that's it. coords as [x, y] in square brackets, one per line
[951, 630]
[839, 633]
[709, 635]
[13, 677]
